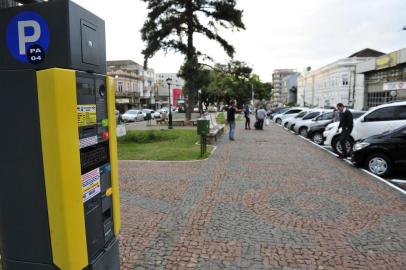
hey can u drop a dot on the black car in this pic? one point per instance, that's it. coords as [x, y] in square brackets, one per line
[315, 133]
[381, 154]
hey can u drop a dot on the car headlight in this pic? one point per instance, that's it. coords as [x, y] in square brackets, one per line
[360, 145]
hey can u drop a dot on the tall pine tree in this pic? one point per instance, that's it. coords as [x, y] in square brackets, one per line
[172, 25]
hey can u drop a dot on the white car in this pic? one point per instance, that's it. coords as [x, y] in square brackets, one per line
[146, 111]
[287, 122]
[311, 119]
[133, 116]
[289, 113]
[378, 120]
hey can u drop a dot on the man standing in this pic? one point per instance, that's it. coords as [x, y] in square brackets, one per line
[261, 114]
[346, 124]
[231, 120]
[247, 117]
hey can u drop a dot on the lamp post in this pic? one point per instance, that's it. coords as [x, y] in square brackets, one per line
[169, 81]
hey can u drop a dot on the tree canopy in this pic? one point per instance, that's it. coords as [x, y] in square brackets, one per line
[172, 24]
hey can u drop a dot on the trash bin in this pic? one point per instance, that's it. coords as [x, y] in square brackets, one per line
[203, 126]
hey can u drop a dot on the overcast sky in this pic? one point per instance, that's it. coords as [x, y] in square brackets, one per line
[279, 33]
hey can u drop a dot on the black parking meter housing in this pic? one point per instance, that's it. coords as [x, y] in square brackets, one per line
[59, 188]
[76, 38]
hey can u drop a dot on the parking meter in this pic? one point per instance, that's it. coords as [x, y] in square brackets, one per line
[59, 191]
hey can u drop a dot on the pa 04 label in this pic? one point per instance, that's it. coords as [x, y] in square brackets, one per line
[28, 37]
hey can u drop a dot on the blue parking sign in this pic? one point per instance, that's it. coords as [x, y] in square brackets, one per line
[28, 37]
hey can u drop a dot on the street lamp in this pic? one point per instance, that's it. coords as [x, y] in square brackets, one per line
[169, 82]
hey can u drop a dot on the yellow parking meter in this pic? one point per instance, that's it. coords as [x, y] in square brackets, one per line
[59, 191]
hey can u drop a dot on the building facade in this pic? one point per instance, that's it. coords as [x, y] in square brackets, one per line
[135, 86]
[335, 82]
[289, 88]
[385, 78]
[279, 98]
[162, 94]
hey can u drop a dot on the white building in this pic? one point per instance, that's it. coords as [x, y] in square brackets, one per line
[335, 82]
[132, 78]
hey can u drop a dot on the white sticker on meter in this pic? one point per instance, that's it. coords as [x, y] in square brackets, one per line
[91, 184]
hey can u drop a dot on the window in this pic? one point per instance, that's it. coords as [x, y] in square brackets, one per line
[345, 79]
[402, 112]
[383, 114]
[293, 111]
[326, 116]
[311, 115]
[120, 87]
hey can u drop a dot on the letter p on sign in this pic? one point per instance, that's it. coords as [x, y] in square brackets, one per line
[27, 30]
[23, 39]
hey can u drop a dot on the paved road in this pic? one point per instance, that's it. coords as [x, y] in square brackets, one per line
[269, 200]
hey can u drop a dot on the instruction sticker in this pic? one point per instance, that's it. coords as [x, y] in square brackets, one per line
[87, 115]
[91, 184]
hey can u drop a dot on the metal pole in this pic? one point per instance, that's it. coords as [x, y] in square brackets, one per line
[252, 94]
[170, 109]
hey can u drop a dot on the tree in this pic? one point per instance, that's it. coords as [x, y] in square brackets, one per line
[172, 24]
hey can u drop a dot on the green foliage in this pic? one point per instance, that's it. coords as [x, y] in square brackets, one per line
[234, 81]
[172, 24]
[174, 144]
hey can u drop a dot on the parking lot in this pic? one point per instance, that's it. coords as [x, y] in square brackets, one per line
[396, 180]
[269, 200]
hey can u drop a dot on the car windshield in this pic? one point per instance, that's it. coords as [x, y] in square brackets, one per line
[300, 115]
[356, 115]
[311, 115]
[283, 110]
[132, 112]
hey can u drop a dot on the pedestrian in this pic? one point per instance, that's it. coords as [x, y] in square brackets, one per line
[261, 115]
[231, 120]
[346, 124]
[247, 117]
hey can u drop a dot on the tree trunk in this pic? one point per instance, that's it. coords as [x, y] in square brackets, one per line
[189, 61]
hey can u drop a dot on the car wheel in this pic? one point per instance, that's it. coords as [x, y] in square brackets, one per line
[279, 121]
[337, 146]
[318, 138]
[292, 126]
[286, 125]
[379, 164]
[303, 131]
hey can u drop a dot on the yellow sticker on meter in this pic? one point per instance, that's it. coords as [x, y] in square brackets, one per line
[87, 115]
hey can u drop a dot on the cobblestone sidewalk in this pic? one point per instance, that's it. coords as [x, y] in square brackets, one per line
[268, 200]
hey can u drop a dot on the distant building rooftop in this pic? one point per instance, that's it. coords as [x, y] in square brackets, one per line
[367, 53]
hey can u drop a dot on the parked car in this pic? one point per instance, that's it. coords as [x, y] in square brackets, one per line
[288, 113]
[315, 133]
[381, 154]
[379, 119]
[277, 111]
[287, 122]
[133, 116]
[148, 111]
[302, 125]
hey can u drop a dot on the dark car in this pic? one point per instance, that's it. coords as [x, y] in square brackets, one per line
[315, 133]
[381, 154]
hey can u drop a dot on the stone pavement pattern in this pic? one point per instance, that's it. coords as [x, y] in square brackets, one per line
[269, 200]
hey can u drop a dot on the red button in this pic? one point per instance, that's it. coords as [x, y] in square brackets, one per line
[106, 135]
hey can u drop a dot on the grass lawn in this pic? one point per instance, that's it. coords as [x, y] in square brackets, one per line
[175, 144]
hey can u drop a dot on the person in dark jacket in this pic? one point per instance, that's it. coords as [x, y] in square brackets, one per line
[346, 124]
[231, 120]
[247, 117]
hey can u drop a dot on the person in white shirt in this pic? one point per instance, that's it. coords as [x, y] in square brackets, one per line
[261, 115]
